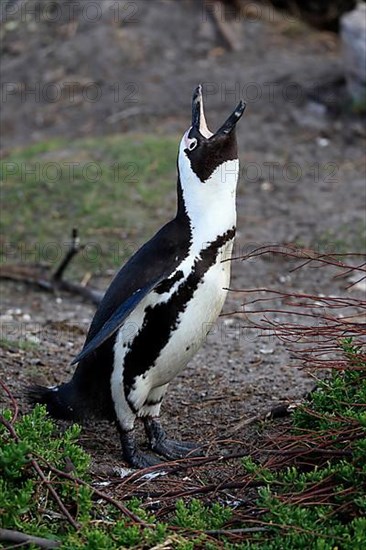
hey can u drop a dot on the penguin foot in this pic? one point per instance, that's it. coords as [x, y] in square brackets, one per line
[168, 448]
[131, 453]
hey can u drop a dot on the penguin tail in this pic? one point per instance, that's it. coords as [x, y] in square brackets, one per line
[57, 399]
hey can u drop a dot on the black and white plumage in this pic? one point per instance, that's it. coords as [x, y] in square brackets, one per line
[160, 306]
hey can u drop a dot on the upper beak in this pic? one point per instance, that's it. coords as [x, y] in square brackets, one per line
[198, 116]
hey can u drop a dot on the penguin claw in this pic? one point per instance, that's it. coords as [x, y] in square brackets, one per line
[173, 450]
[142, 460]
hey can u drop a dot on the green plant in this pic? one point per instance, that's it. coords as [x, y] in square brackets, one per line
[24, 345]
[321, 501]
[196, 516]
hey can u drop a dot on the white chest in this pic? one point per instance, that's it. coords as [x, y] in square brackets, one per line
[192, 324]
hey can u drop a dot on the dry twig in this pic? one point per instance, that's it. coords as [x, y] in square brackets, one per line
[18, 538]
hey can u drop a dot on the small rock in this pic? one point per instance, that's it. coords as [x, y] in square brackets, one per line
[266, 350]
[266, 186]
[228, 321]
[284, 278]
[322, 141]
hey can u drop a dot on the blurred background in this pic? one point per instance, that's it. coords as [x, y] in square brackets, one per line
[81, 80]
[95, 98]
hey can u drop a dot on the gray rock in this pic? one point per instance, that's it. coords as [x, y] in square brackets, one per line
[353, 36]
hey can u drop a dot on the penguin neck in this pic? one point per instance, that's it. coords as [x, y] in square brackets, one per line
[210, 211]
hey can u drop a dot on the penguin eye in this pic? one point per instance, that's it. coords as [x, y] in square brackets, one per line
[193, 144]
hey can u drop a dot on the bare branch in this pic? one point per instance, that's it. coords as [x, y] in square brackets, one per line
[36, 277]
[17, 537]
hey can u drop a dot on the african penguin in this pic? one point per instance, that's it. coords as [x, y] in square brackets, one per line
[160, 306]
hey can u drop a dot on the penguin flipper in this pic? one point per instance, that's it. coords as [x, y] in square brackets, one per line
[117, 319]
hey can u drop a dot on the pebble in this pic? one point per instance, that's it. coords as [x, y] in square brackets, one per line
[266, 351]
[322, 141]
[266, 186]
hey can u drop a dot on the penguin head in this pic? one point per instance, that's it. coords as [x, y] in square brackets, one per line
[208, 162]
[201, 150]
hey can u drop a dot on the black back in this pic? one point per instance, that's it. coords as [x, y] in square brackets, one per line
[149, 267]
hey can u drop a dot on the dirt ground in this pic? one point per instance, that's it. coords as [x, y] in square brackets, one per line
[302, 181]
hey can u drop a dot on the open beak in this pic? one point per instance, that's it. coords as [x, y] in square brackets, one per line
[199, 121]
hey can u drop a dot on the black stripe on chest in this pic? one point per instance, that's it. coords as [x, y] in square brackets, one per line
[162, 319]
[166, 285]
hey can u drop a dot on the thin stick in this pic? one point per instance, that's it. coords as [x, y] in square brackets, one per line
[17, 537]
[56, 498]
[72, 251]
[100, 494]
[279, 411]
[13, 401]
[227, 532]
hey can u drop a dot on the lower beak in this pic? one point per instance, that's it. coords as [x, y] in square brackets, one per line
[230, 123]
